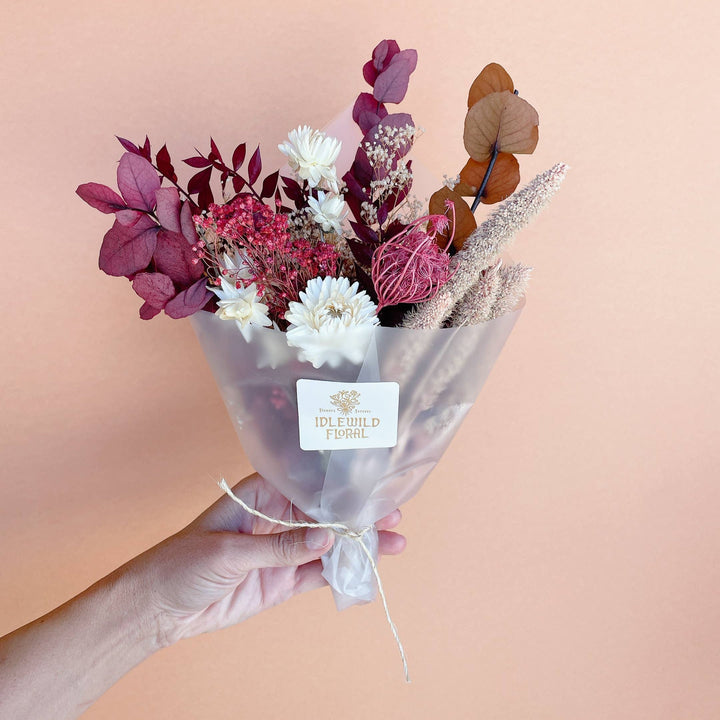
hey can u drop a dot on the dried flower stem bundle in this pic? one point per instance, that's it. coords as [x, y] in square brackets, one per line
[485, 244]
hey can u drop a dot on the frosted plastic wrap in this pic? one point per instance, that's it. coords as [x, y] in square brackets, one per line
[439, 373]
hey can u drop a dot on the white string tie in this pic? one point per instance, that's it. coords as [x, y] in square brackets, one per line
[341, 530]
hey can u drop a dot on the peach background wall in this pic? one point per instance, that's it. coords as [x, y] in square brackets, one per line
[564, 558]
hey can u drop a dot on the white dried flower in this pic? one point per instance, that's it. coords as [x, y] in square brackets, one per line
[328, 211]
[241, 304]
[312, 155]
[332, 322]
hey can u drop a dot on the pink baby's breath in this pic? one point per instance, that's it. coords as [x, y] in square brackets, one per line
[279, 264]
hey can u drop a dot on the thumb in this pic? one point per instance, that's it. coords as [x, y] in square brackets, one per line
[284, 549]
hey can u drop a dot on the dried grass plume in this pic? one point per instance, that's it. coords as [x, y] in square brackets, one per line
[482, 248]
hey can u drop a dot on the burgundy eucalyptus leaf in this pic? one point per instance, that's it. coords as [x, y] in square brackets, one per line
[128, 250]
[129, 146]
[137, 181]
[155, 288]
[238, 156]
[189, 301]
[101, 197]
[238, 184]
[168, 208]
[148, 312]
[269, 185]
[197, 161]
[129, 217]
[174, 258]
[367, 120]
[198, 181]
[366, 103]
[397, 120]
[370, 72]
[188, 224]
[254, 166]
[164, 164]
[392, 83]
[145, 149]
[383, 53]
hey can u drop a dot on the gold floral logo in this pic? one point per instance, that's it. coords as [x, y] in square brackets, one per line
[345, 400]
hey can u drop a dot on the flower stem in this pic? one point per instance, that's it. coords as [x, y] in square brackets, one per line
[173, 182]
[486, 177]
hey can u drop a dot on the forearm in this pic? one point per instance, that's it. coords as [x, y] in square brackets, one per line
[58, 665]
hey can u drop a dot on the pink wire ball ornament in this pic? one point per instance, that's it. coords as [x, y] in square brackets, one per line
[411, 267]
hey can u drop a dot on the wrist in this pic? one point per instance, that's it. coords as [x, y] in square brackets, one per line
[138, 625]
[124, 615]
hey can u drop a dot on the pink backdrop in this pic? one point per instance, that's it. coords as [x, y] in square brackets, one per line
[563, 558]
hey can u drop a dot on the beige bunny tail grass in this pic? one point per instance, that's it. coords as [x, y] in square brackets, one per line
[478, 301]
[485, 244]
[513, 284]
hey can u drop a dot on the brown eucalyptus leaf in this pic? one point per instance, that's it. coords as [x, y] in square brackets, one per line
[464, 219]
[503, 180]
[492, 78]
[500, 120]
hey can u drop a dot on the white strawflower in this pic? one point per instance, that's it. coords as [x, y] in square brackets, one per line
[328, 211]
[312, 155]
[242, 305]
[332, 322]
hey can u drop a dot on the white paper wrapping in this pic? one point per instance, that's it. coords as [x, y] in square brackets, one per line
[440, 373]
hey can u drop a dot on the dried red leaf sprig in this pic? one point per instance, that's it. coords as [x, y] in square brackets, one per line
[410, 267]
[200, 183]
[277, 262]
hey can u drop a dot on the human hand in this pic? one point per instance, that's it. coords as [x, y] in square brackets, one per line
[228, 565]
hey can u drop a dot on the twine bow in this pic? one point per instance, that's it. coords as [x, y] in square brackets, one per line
[341, 530]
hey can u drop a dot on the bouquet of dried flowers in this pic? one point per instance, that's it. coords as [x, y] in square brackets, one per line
[348, 326]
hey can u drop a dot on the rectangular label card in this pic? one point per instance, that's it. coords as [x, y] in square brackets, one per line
[341, 416]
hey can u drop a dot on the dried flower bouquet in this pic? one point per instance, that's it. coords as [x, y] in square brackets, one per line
[348, 327]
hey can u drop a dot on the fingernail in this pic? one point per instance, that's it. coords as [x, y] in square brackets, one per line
[317, 538]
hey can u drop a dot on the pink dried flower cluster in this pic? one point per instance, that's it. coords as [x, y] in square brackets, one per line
[411, 267]
[281, 265]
